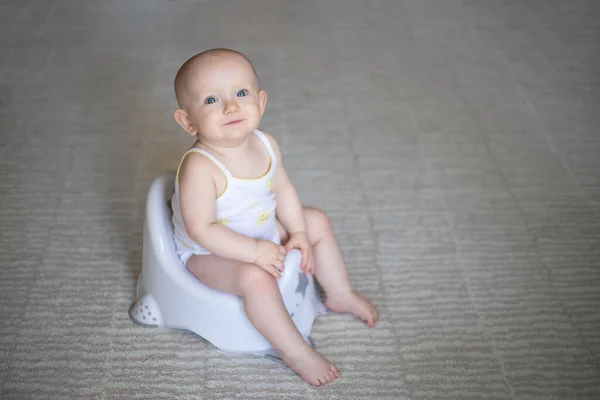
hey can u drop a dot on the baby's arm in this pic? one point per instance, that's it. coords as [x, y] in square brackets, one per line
[289, 209]
[197, 197]
[291, 214]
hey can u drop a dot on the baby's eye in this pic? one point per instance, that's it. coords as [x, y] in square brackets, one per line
[242, 93]
[210, 100]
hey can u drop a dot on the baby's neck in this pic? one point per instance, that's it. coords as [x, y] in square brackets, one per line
[228, 149]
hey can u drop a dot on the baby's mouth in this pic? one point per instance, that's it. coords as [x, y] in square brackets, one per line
[234, 122]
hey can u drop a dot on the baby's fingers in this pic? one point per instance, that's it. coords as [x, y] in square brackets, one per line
[306, 257]
[279, 257]
[278, 265]
[307, 269]
[310, 265]
[273, 270]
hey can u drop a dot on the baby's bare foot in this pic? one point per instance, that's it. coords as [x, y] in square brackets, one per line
[355, 304]
[311, 366]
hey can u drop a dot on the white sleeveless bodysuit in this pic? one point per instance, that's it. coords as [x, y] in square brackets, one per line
[247, 206]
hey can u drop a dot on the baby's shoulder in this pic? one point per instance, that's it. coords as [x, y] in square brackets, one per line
[195, 164]
[273, 142]
[268, 136]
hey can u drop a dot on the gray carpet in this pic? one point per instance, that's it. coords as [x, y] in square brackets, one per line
[455, 145]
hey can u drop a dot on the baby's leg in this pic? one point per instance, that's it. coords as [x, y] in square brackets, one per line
[330, 268]
[265, 309]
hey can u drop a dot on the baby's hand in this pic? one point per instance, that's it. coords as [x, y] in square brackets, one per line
[299, 240]
[270, 257]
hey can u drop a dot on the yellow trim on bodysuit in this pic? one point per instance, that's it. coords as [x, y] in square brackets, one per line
[270, 162]
[198, 152]
[260, 177]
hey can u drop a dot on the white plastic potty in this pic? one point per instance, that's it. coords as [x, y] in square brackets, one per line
[170, 296]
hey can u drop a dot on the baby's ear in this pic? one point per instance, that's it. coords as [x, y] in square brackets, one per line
[184, 121]
[262, 98]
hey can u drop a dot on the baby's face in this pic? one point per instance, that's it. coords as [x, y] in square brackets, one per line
[225, 104]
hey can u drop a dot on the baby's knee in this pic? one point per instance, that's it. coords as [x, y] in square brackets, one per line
[255, 278]
[318, 220]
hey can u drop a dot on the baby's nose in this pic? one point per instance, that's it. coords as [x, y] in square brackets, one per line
[231, 106]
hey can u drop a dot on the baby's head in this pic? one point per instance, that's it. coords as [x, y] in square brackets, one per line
[218, 95]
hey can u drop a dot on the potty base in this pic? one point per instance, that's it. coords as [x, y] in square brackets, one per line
[145, 312]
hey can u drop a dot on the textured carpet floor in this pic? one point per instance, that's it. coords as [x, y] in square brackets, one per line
[455, 145]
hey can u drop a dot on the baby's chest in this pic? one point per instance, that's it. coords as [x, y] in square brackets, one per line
[245, 188]
[253, 167]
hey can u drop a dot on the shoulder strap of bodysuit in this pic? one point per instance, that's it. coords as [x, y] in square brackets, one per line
[267, 144]
[212, 158]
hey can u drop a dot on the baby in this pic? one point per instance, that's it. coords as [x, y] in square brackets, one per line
[236, 213]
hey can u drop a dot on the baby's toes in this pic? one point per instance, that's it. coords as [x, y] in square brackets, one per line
[372, 318]
[335, 371]
[375, 313]
[329, 376]
[332, 374]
